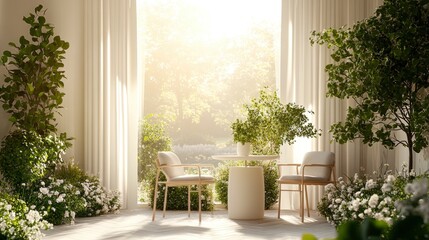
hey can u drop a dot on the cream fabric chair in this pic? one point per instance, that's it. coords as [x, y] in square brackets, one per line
[317, 168]
[176, 175]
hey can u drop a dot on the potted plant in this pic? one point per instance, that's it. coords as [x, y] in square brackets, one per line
[269, 123]
[244, 134]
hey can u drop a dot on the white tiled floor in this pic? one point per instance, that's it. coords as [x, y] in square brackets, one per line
[137, 224]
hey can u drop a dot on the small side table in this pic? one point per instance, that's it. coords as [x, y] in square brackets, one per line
[246, 190]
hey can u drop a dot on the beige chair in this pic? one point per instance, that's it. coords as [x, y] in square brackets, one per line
[178, 174]
[317, 168]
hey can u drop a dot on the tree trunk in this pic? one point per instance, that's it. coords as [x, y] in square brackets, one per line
[410, 151]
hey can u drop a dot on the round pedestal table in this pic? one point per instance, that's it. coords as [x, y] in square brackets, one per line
[246, 191]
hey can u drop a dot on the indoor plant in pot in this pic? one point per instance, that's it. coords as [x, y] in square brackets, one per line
[244, 134]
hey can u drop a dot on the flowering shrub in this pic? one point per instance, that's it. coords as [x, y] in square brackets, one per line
[61, 200]
[363, 196]
[97, 199]
[17, 221]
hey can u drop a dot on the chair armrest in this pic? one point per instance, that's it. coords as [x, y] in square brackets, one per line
[296, 165]
[288, 164]
[331, 166]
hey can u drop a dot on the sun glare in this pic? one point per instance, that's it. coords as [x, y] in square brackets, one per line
[231, 18]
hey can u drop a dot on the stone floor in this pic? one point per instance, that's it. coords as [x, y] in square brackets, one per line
[137, 224]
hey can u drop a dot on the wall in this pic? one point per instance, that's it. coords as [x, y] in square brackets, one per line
[68, 19]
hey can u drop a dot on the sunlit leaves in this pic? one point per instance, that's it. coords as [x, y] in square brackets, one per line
[382, 63]
[270, 123]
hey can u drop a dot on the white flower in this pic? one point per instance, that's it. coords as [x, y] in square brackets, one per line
[12, 215]
[33, 216]
[373, 201]
[387, 187]
[8, 207]
[370, 184]
[390, 178]
[338, 200]
[60, 199]
[44, 190]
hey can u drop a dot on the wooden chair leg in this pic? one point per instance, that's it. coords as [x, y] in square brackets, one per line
[189, 201]
[280, 201]
[165, 200]
[155, 195]
[301, 202]
[306, 199]
[199, 202]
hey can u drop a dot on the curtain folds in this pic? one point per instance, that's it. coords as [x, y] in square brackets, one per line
[112, 96]
[303, 81]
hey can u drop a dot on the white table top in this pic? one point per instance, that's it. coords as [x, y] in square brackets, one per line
[247, 158]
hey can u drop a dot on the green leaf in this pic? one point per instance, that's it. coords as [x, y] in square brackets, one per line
[38, 8]
[41, 20]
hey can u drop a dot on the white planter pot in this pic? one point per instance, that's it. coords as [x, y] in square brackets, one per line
[243, 149]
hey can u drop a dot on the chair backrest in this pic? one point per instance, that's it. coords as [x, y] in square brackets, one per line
[319, 157]
[168, 159]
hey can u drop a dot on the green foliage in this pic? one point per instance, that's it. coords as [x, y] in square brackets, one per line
[270, 123]
[367, 229]
[382, 63]
[270, 181]
[18, 221]
[153, 138]
[27, 156]
[31, 91]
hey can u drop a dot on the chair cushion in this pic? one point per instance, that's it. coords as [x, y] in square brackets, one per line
[193, 178]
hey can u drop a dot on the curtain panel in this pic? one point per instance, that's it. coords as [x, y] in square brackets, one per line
[112, 96]
[303, 81]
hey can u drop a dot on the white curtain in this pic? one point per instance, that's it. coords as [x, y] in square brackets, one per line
[303, 81]
[112, 96]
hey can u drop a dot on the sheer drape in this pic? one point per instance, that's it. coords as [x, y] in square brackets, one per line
[303, 81]
[112, 94]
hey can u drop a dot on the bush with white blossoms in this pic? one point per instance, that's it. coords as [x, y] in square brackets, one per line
[61, 200]
[18, 221]
[418, 203]
[97, 199]
[363, 196]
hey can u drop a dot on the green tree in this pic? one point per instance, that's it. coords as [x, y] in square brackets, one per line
[31, 91]
[382, 63]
